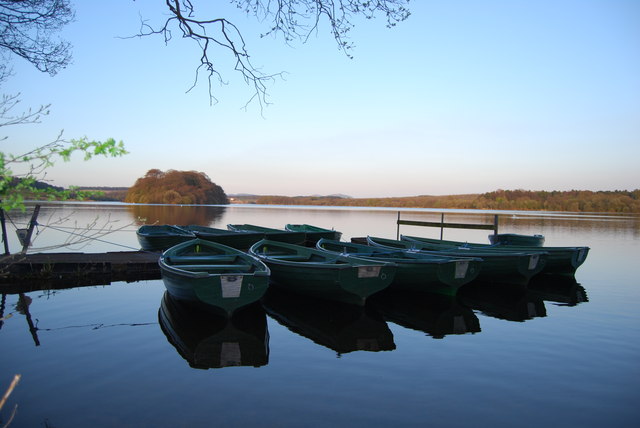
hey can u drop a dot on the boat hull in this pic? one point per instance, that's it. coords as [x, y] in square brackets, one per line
[240, 240]
[314, 233]
[161, 237]
[441, 275]
[289, 237]
[506, 267]
[344, 279]
[235, 280]
[559, 260]
[508, 239]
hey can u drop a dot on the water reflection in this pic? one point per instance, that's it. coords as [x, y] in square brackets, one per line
[206, 340]
[176, 214]
[436, 315]
[560, 289]
[341, 327]
[511, 304]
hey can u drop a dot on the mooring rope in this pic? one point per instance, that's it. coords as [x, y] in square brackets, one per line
[90, 238]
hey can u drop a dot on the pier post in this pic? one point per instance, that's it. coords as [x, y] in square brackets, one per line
[4, 232]
[32, 225]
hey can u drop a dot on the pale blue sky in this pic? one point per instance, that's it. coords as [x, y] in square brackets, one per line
[466, 96]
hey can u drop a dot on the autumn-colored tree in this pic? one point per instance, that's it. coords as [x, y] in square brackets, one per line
[176, 187]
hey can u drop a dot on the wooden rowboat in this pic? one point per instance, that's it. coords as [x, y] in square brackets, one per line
[320, 274]
[415, 272]
[560, 260]
[159, 237]
[314, 233]
[213, 274]
[505, 267]
[509, 239]
[271, 234]
[239, 239]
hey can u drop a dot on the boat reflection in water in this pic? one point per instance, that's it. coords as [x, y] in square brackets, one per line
[435, 314]
[507, 303]
[207, 340]
[561, 289]
[338, 326]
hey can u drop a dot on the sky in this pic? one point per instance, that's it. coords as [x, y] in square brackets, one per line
[466, 96]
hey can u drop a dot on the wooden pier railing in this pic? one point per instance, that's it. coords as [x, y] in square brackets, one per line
[442, 225]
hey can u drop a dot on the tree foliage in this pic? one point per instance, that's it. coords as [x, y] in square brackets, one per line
[176, 187]
[28, 30]
[14, 188]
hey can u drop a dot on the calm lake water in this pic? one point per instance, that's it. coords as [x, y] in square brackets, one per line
[561, 354]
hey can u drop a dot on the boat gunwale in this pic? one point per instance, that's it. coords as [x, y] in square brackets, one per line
[260, 268]
[316, 264]
[412, 257]
[477, 253]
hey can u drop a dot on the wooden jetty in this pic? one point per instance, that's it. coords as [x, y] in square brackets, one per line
[20, 273]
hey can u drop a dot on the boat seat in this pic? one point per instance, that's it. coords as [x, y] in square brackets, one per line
[289, 257]
[200, 259]
[214, 268]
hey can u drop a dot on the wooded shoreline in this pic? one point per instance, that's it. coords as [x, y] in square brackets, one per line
[523, 200]
[615, 201]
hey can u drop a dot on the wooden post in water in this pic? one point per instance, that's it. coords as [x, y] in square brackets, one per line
[495, 224]
[441, 225]
[32, 225]
[4, 232]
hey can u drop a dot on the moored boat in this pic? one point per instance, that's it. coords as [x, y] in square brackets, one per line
[213, 274]
[415, 271]
[271, 233]
[323, 275]
[239, 239]
[516, 239]
[314, 233]
[159, 237]
[506, 267]
[560, 260]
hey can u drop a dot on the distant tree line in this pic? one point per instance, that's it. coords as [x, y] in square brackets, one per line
[176, 187]
[618, 201]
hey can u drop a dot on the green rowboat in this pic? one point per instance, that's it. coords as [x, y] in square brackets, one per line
[560, 260]
[213, 274]
[314, 233]
[154, 237]
[287, 236]
[509, 239]
[240, 240]
[506, 267]
[415, 272]
[320, 274]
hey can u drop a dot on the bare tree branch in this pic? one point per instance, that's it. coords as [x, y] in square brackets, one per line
[292, 19]
[27, 30]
